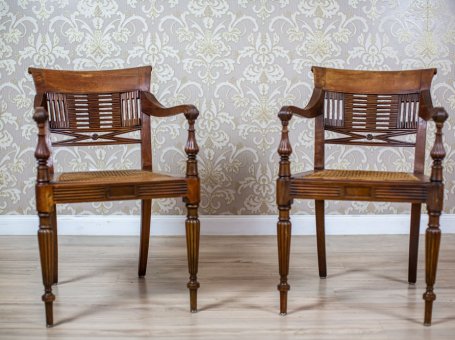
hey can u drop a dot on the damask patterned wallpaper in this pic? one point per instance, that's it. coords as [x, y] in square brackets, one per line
[239, 61]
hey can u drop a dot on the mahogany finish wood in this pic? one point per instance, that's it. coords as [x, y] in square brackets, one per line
[99, 108]
[374, 108]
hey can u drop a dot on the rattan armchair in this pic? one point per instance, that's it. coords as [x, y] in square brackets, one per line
[374, 108]
[92, 108]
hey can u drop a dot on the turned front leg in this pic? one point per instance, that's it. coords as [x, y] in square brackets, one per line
[284, 249]
[47, 256]
[192, 226]
[432, 242]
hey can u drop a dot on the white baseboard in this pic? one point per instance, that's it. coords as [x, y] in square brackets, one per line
[220, 224]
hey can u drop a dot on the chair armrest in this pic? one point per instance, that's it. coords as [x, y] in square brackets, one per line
[151, 106]
[313, 108]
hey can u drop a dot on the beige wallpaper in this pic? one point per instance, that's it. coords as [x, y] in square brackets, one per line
[239, 61]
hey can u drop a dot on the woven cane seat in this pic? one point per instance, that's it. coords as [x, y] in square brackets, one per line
[111, 176]
[361, 175]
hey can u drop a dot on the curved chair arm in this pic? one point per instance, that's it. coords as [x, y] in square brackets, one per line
[426, 105]
[151, 106]
[313, 108]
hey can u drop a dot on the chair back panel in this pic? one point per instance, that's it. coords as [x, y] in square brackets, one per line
[381, 116]
[372, 107]
[92, 107]
[93, 111]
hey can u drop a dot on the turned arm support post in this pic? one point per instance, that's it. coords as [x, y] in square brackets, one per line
[42, 152]
[438, 153]
[191, 147]
[285, 148]
[285, 151]
[436, 195]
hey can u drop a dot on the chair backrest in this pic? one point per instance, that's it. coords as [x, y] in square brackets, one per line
[94, 104]
[95, 107]
[375, 108]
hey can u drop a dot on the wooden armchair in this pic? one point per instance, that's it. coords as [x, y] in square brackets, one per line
[98, 108]
[367, 108]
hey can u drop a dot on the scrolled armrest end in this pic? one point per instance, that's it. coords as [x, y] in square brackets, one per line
[285, 113]
[439, 115]
[40, 115]
[191, 112]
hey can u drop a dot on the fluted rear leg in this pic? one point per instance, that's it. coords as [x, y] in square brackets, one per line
[192, 226]
[284, 248]
[47, 257]
[320, 238]
[146, 210]
[414, 242]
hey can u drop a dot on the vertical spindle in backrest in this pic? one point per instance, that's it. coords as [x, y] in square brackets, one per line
[339, 118]
[116, 110]
[58, 111]
[138, 108]
[416, 109]
[125, 109]
[131, 110]
[333, 109]
[408, 111]
[50, 108]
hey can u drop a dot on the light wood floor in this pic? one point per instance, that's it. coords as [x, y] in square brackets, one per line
[365, 296]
